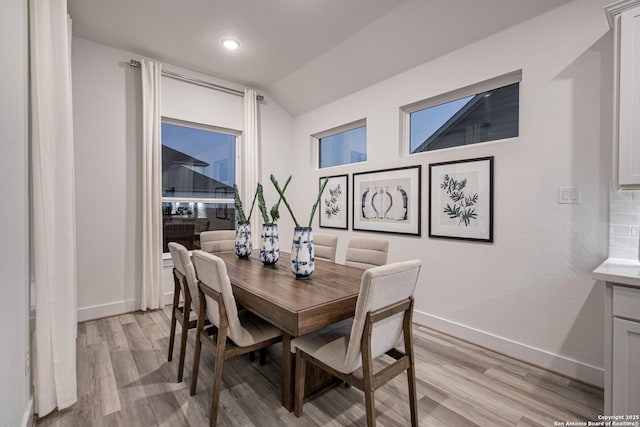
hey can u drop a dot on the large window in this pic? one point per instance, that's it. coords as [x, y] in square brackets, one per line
[342, 145]
[198, 174]
[484, 112]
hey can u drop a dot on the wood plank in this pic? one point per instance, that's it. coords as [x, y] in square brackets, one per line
[133, 396]
[106, 386]
[555, 399]
[458, 384]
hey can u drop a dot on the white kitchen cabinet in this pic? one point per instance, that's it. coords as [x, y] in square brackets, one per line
[624, 19]
[621, 335]
[626, 367]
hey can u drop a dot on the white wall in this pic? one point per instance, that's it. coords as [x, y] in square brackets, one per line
[15, 380]
[108, 133]
[530, 293]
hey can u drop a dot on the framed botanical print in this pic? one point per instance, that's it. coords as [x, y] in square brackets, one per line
[387, 200]
[461, 199]
[334, 208]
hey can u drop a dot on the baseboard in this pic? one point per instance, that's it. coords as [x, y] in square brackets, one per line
[553, 362]
[28, 419]
[114, 308]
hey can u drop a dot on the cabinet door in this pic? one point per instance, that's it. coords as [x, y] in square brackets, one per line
[626, 367]
[629, 97]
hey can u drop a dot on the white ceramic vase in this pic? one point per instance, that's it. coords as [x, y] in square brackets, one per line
[270, 248]
[243, 246]
[302, 257]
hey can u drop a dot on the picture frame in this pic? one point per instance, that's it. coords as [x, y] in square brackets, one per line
[388, 200]
[461, 199]
[334, 209]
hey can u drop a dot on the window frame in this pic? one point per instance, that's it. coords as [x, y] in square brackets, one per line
[317, 137]
[209, 128]
[470, 90]
[237, 159]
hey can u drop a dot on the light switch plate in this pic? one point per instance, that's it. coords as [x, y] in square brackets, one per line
[568, 195]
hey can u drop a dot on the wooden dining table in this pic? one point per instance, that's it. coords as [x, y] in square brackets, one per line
[295, 306]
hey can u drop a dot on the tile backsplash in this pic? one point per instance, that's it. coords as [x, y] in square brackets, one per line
[624, 224]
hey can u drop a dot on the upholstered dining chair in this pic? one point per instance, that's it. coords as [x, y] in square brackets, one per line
[324, 246]
[218, 241]
[185, 285]
[382, 319]
[366, 252]
[245, 331]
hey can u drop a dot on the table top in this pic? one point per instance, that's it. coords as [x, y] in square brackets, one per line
[296, 306]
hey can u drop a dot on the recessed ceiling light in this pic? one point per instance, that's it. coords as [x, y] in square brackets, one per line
[230, 43]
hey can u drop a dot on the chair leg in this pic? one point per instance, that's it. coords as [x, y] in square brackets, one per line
[298, 389]
[263, 356]
[217, 377]
[411, 371]
[370, 404]
[413, 398]
[196, 363]
[368, 377]
[172, 334]
[183, 342]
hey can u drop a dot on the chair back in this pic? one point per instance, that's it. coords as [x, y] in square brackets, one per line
[381, 287]
[212, 272]
[182, 263]
[218, 241]
[366, 252]
[324, 246]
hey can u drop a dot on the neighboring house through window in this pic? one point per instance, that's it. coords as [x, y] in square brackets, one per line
[484, 112]
[198, 174]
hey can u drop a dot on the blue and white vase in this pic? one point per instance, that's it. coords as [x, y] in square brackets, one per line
[243, 239]
[302, 258]
[270, 249]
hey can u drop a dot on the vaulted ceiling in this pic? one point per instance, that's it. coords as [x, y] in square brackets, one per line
[302, 53]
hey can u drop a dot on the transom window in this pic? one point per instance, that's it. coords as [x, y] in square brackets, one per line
[484, 112]
[342, 145]
[198, 174]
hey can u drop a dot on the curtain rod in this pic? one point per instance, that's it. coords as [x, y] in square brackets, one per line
[136, 64]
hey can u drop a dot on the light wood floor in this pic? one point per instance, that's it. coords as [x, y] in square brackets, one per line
[124, 379]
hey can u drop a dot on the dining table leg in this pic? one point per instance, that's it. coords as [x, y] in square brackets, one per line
[287, 372]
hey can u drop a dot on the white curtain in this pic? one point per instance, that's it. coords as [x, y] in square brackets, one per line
[251, 152]
[54, 237]
[152, 292]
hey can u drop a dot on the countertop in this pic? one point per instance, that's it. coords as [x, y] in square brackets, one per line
[615, 270]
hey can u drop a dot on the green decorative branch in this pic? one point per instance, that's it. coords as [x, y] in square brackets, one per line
[286, 203]
[315, 205]
[274, 181]
[237, 202]
[252, 204]
[275, 212]
[275, 209]
[261, 205]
